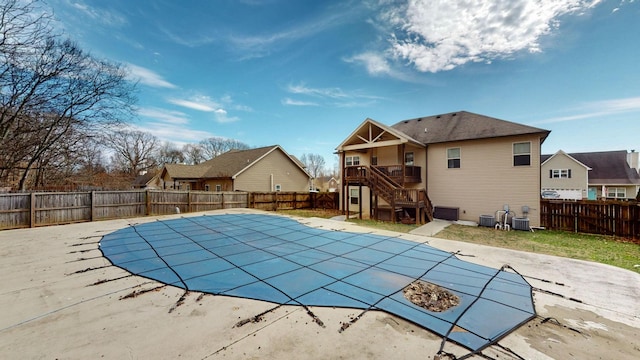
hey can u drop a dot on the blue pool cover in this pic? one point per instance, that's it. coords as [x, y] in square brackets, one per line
[280, 260]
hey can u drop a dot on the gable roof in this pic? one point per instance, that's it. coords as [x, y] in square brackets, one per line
[462, 125]
[144, 179]
[370, 132]
[182, 171]
[545, 158]
[226, 165]
[608, 167]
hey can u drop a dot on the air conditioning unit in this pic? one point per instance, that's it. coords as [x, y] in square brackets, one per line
[520, 224]
[487, 220]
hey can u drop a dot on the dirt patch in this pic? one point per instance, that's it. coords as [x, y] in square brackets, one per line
[430, 296]
[581, 334]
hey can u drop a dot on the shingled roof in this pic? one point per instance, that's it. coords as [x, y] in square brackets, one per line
[607, 167]
[226, 165]
[462, 125]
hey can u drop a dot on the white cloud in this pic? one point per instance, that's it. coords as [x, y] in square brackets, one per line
[335, 93]
[602, 108]
[148, 77]
[336, 96]
[106, 17]
[222, 116]
[167, 116]
[375, 63]
[206, 104]
[441, 35]
[173, 133]
[292, 102]
[194, 105]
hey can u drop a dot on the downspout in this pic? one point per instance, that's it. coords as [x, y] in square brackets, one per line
[426, 169]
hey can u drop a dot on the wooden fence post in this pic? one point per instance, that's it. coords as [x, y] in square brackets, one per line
[222, 194]
[147, 203]
[32, 210]
[93, 206]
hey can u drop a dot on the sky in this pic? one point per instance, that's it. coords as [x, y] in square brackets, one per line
[304, 74]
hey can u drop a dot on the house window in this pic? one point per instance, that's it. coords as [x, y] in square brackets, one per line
[560, 174]
[218, 187]
[408, 159]
[278, 187]
[354, 196]
[616, 193]
[522, 154]
[206, 187]
[453, 158]
[353, 160]
[374, 160]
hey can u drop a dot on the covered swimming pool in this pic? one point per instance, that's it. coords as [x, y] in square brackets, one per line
[280, 260]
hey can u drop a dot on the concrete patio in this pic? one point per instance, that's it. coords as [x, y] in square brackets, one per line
[61, 299]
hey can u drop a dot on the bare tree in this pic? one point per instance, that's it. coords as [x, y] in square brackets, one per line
[314, 163]
[215, 146]
[193, 154]
[168, 153]
[133, 150]
[50, 88]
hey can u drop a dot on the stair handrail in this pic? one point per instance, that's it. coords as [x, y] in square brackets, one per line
[385, 176]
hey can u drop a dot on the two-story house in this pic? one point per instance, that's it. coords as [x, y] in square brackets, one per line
[591, 175]
[458, 165]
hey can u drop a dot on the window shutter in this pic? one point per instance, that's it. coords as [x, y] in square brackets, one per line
[550, 174]
[569, 173]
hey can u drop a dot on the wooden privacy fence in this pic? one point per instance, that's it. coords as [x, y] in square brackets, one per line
[21, 210]
[273, 201]
[617, 218]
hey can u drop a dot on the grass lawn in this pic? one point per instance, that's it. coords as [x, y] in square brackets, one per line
[598, 248]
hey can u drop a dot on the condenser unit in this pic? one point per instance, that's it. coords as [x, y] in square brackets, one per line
[520, 224]
[487, 220]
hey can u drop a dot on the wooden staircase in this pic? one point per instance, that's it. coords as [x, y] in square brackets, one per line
[398, 197]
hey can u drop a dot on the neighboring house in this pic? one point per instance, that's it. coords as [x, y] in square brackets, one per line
[148, 180]
[327, 184]
[464, 164]
[592, 175]
[263, 169]
[333, 185]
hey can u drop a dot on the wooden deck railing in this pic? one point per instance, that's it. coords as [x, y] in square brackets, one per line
[412, 174]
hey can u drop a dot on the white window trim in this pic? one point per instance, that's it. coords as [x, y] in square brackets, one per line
[413, 159]
[352, 196]
[560, 173]
[278, 187]
[353, 160]
[513, 157]
[452, 158]
[617, 191]
[218, 187]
